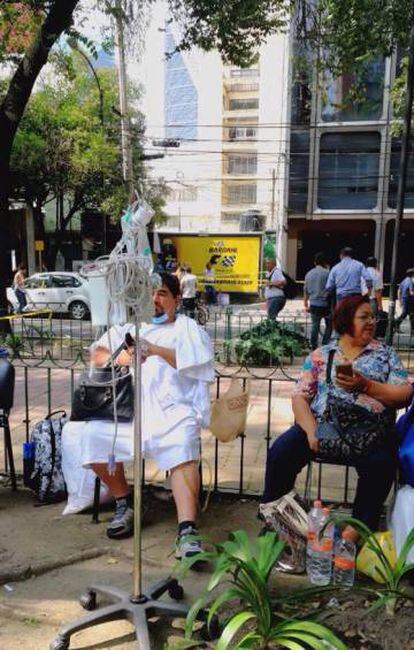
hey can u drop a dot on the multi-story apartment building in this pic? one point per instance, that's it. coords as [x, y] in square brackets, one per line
[318, 160]
[230, 126]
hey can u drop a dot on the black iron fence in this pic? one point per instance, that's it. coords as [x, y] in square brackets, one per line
[68, 340]
[236, 467]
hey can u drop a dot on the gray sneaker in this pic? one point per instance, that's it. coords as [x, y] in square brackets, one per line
[122, 523]
[186, 544]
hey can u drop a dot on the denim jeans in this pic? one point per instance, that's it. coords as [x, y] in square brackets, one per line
[407, 310]
[275, 305]
[317, 314]
[290, 452]
[21, 297]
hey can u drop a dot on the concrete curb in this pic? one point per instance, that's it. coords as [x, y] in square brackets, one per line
[24, 572]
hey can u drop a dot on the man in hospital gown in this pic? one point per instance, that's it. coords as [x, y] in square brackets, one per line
[177, 368]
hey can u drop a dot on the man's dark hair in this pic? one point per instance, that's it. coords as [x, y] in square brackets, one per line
[347, 251]
[171, 282]
[343, 318]
[410, 271]
[372, 262]
[320, 259]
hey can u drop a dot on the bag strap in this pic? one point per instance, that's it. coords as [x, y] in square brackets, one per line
[329, 366]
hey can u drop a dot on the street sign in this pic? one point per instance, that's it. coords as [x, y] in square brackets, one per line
[39, 245]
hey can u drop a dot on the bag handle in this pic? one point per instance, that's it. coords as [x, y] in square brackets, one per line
[52, 413]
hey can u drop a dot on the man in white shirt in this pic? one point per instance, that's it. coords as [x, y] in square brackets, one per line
[188, 285]
[274, 294]
[178, 365]
[375, 293]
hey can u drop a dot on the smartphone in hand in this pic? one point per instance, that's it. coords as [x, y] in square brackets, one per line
[129, 340]
[344, 369]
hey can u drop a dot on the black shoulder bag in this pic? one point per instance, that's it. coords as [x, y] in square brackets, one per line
[93, 398]
[348, 431]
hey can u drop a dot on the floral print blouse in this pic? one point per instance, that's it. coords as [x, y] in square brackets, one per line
[376, 361]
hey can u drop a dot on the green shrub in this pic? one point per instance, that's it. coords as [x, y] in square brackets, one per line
[266, 343]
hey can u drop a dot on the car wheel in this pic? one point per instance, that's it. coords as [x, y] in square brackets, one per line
[78, 310]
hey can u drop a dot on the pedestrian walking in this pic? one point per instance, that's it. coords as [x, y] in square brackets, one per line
[375, 293]
[188, 284]
[274, 294]
[209, 288]
[406, 298]
[18, 287]
[316, 300]
[345, 278]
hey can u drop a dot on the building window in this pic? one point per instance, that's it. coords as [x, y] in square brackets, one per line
[188, 193]
[298, 171]
[240, 194]
[350, 97]
[241, 164]
[243, 104]
[395, 174]
[233, 217]
[242, 133]
[244, 72]
[348, 170]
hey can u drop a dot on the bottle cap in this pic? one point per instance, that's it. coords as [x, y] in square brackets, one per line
[317, 503]
[347, 533]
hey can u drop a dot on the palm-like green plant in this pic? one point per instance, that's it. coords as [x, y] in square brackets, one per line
[242, 567]
[391, 590]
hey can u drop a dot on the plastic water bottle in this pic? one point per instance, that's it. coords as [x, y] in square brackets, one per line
[320, 553]
[344, 560]
[315, 517]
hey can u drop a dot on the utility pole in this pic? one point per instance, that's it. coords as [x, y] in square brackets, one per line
[126, 142]
[405, 142]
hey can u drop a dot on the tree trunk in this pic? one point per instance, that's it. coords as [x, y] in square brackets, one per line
[12, 108]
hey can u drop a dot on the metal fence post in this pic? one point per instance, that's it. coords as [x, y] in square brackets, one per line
[227, 331]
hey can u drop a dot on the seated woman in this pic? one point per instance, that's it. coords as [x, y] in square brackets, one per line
[378, 383]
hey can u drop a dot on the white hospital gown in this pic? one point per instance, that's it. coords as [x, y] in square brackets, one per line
[175, 400]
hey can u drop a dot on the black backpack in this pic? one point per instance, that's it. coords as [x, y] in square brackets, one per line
[42, 461]
[291, 288]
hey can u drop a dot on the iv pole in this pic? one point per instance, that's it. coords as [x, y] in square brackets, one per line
[139, 606]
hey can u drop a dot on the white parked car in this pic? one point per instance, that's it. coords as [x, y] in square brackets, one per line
[60, 291]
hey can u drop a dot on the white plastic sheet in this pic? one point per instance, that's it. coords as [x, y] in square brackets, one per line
[80, 482]
[402, 518]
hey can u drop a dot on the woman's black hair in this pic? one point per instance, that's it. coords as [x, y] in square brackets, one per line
[171, 282]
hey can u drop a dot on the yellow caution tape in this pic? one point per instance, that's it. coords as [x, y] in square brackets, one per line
[27, 314]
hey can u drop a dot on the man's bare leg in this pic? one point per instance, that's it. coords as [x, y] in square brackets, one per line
[185, 484]
[122, 522]
[116, 483]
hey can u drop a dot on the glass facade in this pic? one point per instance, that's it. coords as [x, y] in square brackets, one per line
[348, 170]
[395, 175]
[181, 99]
[298, 171]
[349, 97]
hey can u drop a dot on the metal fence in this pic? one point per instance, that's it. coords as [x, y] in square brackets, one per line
[236, 467]
[62, 339]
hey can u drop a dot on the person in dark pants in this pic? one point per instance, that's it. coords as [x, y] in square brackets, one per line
[406, 297]
[274, 294]
[316, 300]
[379, 383]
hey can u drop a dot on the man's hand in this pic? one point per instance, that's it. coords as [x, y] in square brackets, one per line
[356, 383]
[99, 356]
